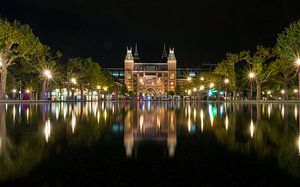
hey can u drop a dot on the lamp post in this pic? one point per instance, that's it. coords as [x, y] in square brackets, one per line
[251, 76]
[105, 89]
[298, 69]
[73, 81]
[48, 75]
[99, 96]
[226, 81]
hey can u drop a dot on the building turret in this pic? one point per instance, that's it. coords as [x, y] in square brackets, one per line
[171, 54]
[129, 66]
[172, 65]
[164, 55]
[136, 54]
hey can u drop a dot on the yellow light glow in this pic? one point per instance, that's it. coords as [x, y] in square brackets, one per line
[295, 90]
[226, 123]
[202, 78]
[211, 85]
[269, 92]
[194, 89]
[14, 90]
[27, 91]
[189, 78]
[47, 130]
[105, 88]
[202, 118]
[73, 80]
[298, 61]
[282, 91]
[226, 81]
[251, 128]
[251, 75]
[98, 87]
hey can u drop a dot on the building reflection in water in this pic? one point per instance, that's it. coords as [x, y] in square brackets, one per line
[155, 123]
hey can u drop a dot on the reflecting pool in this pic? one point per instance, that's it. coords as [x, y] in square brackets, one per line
[149, 143]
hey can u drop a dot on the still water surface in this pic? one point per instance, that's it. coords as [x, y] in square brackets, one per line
[59, 142]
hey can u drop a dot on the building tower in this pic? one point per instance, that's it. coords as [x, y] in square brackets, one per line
[129, 65]
[136, 57]
[164, 56]
[171, 70]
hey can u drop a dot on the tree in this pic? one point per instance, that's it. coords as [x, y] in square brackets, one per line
[226, 69]
[288, 42]
[17, 42]
[284, 72]
[259, 66]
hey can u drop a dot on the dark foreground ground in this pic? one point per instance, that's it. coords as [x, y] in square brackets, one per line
[202, 162]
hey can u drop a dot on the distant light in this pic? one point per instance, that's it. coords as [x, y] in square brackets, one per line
[211, 85]
[73, 80]
[14, 90]
[269, 92]
[105, 88]
[27, 91]
[202, 78]
[189, 78]
[194, 89]
[98, 87]
[282, 91]
[298, 62]
[201, 87]
[226, 81]
[295, 90]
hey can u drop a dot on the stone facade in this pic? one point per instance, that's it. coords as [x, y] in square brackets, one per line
[150, 79]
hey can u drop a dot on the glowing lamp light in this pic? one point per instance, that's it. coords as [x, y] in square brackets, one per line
[98, 87]
[73, 80]
[226, 81]
[295, 90]
[251, 75]
[27, 91]
[282, 91]
[202, 78]
[105, 88]
[14, 91]
[298, 62]
[269, 92]
[201, 87]
[194, 89]
[211, 85]
[189, 78]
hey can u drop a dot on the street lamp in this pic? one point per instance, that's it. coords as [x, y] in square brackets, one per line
[48, 76]
[298, 64]
[201, 78]
[226, 81]
[73, 81]
[105, 89]
[251, 76]
[282, 92]
[189, 78]
[98, 88]
[211, 85]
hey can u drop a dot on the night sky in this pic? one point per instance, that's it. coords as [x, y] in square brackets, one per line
[202, 31]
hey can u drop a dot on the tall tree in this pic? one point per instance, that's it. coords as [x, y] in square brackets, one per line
[17, 42]
[288, 42]
[259, 66]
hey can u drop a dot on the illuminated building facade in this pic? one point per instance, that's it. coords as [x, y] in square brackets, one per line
[150, 79]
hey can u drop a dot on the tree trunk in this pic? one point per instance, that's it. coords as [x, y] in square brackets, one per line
[81, 92]
[258, 92]
[286, 94]
[3, 83]
[43, 90]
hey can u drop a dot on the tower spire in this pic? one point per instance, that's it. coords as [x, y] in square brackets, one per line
[164, 55]
[136, 54]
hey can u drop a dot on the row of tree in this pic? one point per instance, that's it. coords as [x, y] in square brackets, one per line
[24, 59]
[273, 68]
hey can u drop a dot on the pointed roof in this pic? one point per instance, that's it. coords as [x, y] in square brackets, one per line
[129, 55]
[171, 54]
[136, 54]
[164, 53]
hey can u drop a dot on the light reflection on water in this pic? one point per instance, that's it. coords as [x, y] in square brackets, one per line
[269, 134]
